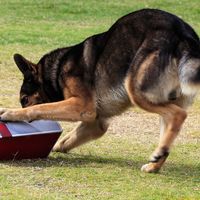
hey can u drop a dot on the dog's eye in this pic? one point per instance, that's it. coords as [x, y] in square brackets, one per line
[24, 100]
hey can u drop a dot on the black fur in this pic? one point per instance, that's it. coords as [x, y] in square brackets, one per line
[114, 51]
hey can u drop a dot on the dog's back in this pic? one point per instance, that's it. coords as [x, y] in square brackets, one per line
[150, 45]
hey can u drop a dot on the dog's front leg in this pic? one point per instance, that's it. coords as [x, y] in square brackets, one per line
[85, 132]
[72, 109]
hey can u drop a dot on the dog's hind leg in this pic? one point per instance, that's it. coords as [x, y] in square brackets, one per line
[173, 116]
[162, 126]
[85, 132]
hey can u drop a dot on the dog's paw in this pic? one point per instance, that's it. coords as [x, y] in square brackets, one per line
[63, 145]
[6, 114]
[12, 115]
[150, 168]
[156, 161]
[20, 114]
[3, 110]
[56, 148]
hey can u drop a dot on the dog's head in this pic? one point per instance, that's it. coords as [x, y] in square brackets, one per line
[31, 90]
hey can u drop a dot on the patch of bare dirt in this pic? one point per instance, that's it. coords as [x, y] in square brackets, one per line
[143, 125]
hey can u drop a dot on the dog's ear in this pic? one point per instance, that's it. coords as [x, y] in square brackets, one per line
[24, 65]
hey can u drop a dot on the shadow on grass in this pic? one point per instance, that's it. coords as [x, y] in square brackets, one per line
[183, 172]
[75, 160]
[178, 170]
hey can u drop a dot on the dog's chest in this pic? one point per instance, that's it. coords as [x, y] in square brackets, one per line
[112, 101]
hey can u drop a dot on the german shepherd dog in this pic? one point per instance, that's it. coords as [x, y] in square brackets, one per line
[148, 58]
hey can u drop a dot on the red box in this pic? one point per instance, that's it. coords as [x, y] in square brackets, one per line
[22, 140]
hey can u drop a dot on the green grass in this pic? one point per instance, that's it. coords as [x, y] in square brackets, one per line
[110, 167]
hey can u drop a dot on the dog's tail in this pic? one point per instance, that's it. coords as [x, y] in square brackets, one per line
[192, 40]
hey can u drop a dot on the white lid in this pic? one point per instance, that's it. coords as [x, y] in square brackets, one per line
[33, 128]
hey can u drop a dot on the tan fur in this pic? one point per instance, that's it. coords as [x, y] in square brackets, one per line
[85, 132]
[144, 67]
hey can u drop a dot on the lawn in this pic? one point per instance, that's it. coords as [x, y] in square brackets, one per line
[108, 168]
